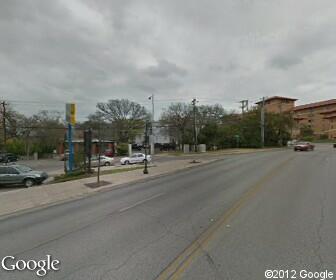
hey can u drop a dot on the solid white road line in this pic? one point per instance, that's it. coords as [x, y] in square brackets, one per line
[140, 202]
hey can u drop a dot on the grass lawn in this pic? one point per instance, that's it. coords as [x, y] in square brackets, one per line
[76, 175]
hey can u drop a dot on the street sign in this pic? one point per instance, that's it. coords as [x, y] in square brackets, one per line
[70, 113]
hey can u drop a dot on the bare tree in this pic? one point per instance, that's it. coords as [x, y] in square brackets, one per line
[126, 117]
[210, 113]
[178, 117]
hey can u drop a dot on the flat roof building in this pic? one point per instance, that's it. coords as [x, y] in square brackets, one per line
[278, 104]
[319, 116]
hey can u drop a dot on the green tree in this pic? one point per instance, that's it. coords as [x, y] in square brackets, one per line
[306, 133]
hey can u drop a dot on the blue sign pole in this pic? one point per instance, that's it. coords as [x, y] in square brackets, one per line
[71, 152]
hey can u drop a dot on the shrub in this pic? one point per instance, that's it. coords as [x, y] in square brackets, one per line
[324, 136]
[15, 146]
[122, 149]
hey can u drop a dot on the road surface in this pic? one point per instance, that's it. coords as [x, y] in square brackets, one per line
[232, 219]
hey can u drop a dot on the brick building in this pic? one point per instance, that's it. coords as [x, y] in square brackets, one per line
[78, 145]
[278, 104]
[319, 116]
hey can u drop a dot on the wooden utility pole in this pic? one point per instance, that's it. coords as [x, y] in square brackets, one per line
[3, 103]
[193, 102]
[262, 122]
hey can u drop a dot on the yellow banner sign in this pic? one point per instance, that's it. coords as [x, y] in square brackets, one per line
[70, 113]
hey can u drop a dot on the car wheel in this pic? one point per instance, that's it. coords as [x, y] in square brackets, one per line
[107, 164]
[29, 183]
[127, 162]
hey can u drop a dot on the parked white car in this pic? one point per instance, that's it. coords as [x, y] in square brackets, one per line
[291, 143]
[135, 158]
[104, 161]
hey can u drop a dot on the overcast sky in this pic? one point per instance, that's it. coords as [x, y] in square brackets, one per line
[53, 52]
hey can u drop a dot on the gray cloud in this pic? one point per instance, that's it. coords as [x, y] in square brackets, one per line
[165, 69]
[285, 62]
[218, 51]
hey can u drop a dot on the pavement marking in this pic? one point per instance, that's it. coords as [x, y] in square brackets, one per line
[179, 265]
[140, 202]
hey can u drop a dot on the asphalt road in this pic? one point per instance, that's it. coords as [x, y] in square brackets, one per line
[227, 220]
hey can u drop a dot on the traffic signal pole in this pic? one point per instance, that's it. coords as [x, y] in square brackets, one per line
[145, 171]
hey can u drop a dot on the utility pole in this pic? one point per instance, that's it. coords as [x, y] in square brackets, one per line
[193, 102]
[153, 119]
[244, 106]
[262, 122]
[99, 156]
[3, 103]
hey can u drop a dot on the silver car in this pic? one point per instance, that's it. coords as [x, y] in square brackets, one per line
[21, 175]
[135, 158]
[104, 161]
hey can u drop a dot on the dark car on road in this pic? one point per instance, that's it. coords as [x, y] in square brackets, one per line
[304, 146]
[8, 157]
[137, 147]
[21, 175]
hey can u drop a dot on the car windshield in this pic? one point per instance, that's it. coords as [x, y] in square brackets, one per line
[23, 168]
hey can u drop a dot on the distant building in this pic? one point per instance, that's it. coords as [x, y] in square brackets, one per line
[319, 116]
[161, 135]
[78, 144]
[278, 104]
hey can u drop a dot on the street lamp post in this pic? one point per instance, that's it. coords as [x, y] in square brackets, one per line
[152, 99]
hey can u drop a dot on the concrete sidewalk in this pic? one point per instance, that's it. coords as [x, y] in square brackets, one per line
[38, 196]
